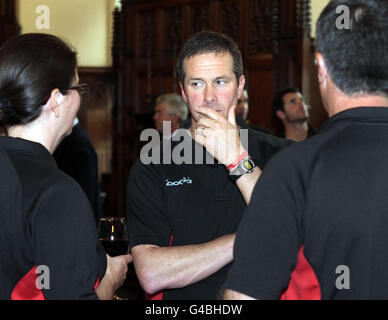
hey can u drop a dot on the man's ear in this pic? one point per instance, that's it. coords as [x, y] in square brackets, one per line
[241, 85]
[321, 65]
[183, 91]
[280, 114]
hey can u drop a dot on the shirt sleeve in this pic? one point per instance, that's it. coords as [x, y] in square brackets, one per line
[148, 221]
[269, 235]
[262, 147]
[67, 245]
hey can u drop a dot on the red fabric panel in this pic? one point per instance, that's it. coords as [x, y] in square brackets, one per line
[26, 288]
[96, 284]
[156, 296]
[304, 284]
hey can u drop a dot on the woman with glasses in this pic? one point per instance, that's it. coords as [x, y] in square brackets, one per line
[48, 238]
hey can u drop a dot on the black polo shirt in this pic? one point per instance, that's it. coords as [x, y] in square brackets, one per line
[47, 230]
[317, 224]
[310, 132]
[190, 204]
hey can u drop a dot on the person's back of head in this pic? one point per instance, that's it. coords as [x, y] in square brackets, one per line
[172, 109]
[31, 66]
[355, 53]
[174, 105]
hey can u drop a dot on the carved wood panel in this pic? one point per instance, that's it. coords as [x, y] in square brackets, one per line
[200, 17]
[173, 25]
[230, 18]
[147, 36]
[263, 26]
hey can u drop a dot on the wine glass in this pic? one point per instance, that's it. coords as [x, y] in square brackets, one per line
[112, 233]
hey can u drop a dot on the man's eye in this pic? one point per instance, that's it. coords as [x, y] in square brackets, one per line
[196, 84]
[221, 82]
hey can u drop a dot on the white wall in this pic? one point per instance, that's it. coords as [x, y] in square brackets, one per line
[316, 8]
[87, 24]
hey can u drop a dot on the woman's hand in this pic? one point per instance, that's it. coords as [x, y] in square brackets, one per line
[115, 275]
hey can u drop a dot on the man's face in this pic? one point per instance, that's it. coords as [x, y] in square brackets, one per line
[211, 82]
[161, 114]
[295, 108]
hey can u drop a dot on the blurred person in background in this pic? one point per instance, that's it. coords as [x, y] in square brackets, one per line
[290, 114]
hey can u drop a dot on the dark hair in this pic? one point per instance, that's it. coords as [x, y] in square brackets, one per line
[208, 42]
[31, 66]
[278, 104]
[356, 58]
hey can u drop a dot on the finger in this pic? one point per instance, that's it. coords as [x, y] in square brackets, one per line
[206, 123]
[208, 112]
[199, 136]
[127, 258]
[232, 115]
[200, 131]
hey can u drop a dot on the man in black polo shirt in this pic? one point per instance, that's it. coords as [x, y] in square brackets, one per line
[317, 224]
[182, 217]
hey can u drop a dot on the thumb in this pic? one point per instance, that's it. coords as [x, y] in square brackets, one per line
[232, 115]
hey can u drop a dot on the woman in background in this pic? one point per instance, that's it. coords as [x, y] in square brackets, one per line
[48, 238]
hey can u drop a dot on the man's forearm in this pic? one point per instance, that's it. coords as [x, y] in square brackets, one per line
[161, 268]
[234, 295]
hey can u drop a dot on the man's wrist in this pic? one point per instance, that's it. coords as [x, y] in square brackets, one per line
[246, 165]
[105, 290]
[237, 161]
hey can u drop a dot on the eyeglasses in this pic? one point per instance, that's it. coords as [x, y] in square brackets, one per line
[81, 88]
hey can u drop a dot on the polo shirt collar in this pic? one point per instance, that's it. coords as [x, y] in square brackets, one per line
[359, 114]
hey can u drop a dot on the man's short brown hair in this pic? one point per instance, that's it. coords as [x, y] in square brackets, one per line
[210, 42]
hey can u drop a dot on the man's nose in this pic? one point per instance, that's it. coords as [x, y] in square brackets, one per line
[210, 95]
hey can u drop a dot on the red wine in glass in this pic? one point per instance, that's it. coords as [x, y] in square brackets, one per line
[116, 247]
[112, 234]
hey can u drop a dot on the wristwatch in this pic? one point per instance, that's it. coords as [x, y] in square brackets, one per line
[245, 166]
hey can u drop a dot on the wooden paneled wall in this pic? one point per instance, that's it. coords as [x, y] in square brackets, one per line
[148, 36]
[95, 116]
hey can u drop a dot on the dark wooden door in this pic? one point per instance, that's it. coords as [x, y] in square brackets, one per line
[9, 27]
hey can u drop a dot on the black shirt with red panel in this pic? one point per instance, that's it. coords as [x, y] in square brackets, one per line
[185, 204]
[48, 238]
[317, 223]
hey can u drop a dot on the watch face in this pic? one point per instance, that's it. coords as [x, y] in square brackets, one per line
[248, 165]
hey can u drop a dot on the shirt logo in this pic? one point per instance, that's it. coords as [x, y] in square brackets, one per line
[179, 183]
